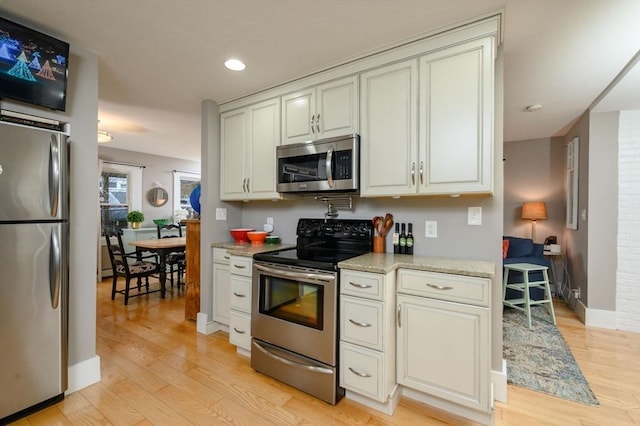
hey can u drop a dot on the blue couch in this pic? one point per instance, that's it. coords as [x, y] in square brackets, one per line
[524, 250]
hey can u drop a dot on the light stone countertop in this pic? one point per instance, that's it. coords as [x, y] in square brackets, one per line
[387, 262]
[248, 250]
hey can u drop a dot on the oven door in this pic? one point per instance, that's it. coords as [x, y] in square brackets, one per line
[295, 308]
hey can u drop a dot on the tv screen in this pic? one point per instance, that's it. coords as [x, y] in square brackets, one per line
[33, 66]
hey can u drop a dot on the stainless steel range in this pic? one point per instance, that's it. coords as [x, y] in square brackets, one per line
[294, 320]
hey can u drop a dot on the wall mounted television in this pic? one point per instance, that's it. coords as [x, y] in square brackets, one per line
[33, 66]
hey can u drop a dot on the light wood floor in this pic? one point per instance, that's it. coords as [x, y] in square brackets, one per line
[156, 370]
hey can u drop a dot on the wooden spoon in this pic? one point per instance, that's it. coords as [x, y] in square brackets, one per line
[388, 223]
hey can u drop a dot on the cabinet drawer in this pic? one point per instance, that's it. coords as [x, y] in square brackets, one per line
[240, 294]
[361, 322]
[241, 265]
[221, 255]
[361, 371]
[240, 329]
[362, 284]
[455, 288]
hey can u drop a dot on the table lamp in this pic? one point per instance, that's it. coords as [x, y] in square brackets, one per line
[534, 211]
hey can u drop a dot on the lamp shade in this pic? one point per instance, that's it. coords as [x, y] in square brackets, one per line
[534, 211]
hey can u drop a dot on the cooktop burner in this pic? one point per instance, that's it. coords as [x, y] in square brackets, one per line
[321, 244]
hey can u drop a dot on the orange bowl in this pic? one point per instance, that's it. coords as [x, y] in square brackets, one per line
[257, 237]
[240, 234]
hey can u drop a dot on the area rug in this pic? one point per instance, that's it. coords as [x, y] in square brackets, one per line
[539, 358]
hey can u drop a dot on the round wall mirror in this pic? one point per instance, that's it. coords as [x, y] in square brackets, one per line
[157, 197]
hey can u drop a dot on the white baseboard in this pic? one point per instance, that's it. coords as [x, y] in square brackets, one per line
[204, 326]
[83, 374]
[499, 381]
[600, 318]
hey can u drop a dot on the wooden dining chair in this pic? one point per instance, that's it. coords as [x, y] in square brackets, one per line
[128, 265]
[175, 261]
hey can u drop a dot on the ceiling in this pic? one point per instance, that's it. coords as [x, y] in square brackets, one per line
[159, 59]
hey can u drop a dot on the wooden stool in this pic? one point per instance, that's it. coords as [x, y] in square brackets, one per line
[524, 287]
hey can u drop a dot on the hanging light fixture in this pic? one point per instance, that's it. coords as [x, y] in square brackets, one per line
[103, 135]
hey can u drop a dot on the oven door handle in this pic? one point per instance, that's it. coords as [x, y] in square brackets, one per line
[294, 275]
[328, 165]
[312, 368]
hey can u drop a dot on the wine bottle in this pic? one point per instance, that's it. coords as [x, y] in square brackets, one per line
[410, 239]
[403, 240]
[396, 239]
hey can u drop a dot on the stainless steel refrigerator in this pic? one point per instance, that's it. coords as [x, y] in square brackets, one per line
[34, 243]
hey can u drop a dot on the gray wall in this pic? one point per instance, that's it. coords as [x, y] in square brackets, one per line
[157, 169]
[81, 113]
[534, 171]
[602, 210]
[576, 241]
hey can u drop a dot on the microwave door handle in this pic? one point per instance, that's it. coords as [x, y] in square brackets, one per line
[329, 161]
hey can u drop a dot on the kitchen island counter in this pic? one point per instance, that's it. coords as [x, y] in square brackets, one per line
[388, 262]
[248, 250]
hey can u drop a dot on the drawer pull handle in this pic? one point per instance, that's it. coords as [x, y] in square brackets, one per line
[359, 324]
[359, 374]
[227, 257]
[239, 266]
[239, 331]
[239, 295]
[439, 287]
[359, 285]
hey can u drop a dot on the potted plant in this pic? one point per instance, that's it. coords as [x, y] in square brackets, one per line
[136, 218]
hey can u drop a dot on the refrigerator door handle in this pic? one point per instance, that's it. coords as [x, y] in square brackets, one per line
[54, 269]
[54, 175]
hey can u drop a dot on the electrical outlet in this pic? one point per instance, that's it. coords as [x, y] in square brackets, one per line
[474, 216]
[269, 221]
[576, 293]
[431, 229]
[221, 214]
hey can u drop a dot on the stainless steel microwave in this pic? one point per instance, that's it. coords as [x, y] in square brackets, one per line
[323, 165]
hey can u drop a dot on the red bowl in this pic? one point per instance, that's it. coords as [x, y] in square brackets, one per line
[257, 237]
[240, 234]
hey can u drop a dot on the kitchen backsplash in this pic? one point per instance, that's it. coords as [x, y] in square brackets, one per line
[454, 237]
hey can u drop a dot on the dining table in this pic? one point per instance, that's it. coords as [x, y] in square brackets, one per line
[162, 247]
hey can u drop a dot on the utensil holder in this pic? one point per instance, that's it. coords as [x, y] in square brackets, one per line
[378, 244]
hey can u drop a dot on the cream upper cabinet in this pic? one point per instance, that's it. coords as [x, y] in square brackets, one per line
[456, 119]
[389, 129]
[326, 110]
[249, 138]
[437, 139]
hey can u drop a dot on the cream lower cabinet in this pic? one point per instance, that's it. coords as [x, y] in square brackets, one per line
[427, 123]
[221, 284]
[367, 338]
[248, 139]
[240, 303]
[443, 341]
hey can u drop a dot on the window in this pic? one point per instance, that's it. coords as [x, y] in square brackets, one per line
[183, 184]
[120, 190]
[573, 159]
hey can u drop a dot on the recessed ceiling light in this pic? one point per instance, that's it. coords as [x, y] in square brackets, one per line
[234, 64]
[533, 108]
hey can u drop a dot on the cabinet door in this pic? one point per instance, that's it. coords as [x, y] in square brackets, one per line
[388, 128]
[233, 137]
[443, 350]
[264, 136]
[337, 108]
[298, 109]
[456, 119]
[221, 293]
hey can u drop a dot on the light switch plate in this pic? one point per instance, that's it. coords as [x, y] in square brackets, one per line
[221, 213]
[474, 216]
